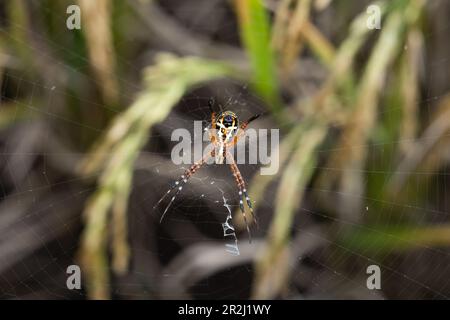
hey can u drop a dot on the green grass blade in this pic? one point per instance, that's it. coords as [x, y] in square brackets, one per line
[255, 36]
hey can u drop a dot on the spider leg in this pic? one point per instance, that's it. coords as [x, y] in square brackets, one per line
[246, 123]
[243, 195]
[212, 130]
[179, 184]
[240, 181]
[236, 138]
[213, 113]
[241, 131]
[250, 206]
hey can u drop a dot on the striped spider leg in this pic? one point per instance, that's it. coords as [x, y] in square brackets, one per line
[241, 131]
[212, 130]
[179, 184]
[243, 195]
[196, 166]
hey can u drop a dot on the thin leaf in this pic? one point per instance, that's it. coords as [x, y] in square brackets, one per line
[255, 35]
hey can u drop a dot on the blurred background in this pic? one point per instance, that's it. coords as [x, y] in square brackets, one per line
[86, 117]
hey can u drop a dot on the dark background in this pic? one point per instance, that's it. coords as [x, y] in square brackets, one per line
[364, 119]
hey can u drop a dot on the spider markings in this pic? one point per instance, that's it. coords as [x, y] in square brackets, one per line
[227, 122]
[223, 140]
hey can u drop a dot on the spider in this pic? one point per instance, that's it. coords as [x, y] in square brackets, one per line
[224, 133]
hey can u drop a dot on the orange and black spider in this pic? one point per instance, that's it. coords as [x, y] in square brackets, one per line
[224, 133]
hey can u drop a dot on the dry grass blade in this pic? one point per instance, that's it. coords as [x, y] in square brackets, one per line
[351, 151]
[279, 24]
[410, 89]
[272, 266]
[325, 104]
[289, 42]
[165, 84]
[294, 41]
[289, 33]
[318, 43]
[97, 29]
[342, 64]
[348, 49]
[429, 151]
[320, 5]
[18, 35]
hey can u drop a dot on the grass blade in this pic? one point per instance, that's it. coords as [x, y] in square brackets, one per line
[255, 35]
